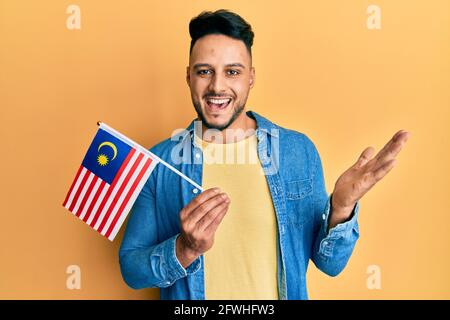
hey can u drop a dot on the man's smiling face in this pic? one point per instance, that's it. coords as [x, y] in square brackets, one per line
[220, 76]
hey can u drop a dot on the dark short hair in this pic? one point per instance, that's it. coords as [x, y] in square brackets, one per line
[221, 22]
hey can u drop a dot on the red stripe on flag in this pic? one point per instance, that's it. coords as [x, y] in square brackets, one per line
[80, 187]
[127, 198]
[120, 191]
[86, 196]
[111, 187]
[94, 201]
[73, 185]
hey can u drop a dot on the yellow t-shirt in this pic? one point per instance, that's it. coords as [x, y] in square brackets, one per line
[242, 263]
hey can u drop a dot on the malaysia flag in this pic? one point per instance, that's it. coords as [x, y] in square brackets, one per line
[109, 180]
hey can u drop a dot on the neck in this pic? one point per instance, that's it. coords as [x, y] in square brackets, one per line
[242, 127]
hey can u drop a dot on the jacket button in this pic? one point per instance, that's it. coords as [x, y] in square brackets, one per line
[197, 155]
[195, 191]
[323, 216]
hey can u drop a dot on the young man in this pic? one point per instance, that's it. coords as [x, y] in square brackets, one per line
[252, 232]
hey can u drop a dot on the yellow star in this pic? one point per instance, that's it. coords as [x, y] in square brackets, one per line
[102, 160]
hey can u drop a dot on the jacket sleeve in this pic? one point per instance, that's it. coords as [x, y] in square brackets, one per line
[331, 248]
[145, 262]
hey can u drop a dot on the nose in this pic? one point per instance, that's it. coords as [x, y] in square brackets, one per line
[217, 84]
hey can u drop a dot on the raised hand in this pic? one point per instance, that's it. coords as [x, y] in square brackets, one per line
[362, 176]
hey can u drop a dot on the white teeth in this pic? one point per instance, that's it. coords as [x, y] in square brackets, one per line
[216, 101]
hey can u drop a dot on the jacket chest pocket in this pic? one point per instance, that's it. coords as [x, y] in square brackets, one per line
[298, 196]
[298, 189]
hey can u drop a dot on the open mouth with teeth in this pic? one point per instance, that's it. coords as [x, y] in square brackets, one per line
[216, 104]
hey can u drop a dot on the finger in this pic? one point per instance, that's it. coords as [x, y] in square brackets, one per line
[398, 139]
[393, 150]
[207, 219]
[379, 173]
[365, 156]
[202, 210]
[198, 200]
[212, 228]
[386, 146]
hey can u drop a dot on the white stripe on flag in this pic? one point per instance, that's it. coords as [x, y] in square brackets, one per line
[124, 193]
[83, 192]
[133, 197]
[91, 196]
[75, 188]
[116, 189]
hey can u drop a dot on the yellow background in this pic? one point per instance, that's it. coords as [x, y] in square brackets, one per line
[319, 70]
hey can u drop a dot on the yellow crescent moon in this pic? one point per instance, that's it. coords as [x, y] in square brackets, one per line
[111, 145]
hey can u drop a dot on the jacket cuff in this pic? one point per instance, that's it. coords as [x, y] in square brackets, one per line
[341, 230]
[343, 227]
[175, 269]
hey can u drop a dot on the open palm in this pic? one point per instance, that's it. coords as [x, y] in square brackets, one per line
[366, 172]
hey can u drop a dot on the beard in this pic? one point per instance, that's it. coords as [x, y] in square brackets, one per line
[236, 113]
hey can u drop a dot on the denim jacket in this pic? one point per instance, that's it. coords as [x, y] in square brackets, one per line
[294, 174]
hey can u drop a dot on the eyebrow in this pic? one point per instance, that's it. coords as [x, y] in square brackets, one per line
[236, 64]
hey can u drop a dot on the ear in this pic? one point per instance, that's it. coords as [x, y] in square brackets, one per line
[252, 77]
[188, 76]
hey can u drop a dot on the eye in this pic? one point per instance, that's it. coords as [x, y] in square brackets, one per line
[233, 72]
[203, 72]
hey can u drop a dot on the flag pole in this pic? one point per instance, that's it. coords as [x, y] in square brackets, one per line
[149, 153]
